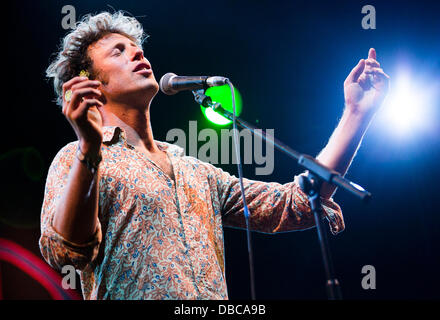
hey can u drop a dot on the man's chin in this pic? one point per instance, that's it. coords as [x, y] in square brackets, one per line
[151, 84]
[153, 89]
[149, 92]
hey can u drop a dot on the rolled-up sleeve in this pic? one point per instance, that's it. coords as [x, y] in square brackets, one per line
[273, 207]
[56, 250]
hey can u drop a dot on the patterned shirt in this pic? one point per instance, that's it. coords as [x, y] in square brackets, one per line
[163, 239]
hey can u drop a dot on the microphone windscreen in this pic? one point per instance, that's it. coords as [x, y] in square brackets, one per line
[164, 84]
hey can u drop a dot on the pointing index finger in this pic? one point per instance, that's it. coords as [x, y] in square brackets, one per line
[372, 54]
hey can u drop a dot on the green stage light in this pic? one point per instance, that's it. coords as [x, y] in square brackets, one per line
[222, 95]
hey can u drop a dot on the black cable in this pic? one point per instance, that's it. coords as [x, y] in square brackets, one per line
[240, 178]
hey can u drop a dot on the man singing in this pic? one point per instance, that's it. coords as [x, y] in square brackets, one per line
[136, 217]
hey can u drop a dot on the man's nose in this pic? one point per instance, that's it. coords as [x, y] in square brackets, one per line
[138, 54]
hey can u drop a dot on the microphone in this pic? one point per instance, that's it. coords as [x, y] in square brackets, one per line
[171, 83]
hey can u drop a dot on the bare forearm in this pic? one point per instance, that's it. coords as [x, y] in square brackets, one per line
[77, 212]
[342, 146]
[76, 215]
[365, 88]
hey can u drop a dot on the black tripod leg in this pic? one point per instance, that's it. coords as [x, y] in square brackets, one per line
[311, 186]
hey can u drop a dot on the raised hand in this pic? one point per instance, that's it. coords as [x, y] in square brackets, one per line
[80, 107]
[366, 86]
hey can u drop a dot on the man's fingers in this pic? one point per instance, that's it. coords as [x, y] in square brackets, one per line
[79, 94]
[356, 72]
[372, 54]
[372, 63]
[67, 85]
[81, 111]
[377, 71]
[83, 84]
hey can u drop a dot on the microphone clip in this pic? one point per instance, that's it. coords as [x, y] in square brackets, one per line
[201, 98]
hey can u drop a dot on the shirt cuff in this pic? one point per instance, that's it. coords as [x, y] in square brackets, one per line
[59, 251]
[96, 239]
[331, 211]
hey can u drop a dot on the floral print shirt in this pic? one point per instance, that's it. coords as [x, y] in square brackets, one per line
[159, 238]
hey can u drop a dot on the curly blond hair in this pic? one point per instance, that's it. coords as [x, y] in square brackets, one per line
[72, 56]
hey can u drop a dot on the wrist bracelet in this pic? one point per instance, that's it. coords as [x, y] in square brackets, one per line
[92, 163]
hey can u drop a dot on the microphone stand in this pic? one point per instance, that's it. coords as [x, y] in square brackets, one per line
[310, 185]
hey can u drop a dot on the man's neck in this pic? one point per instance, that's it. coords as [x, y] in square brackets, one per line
[136, 124]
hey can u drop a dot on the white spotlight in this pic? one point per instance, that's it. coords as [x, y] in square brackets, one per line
[406, 106]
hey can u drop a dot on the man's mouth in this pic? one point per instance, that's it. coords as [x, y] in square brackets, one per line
[144, 71]
[142, 67]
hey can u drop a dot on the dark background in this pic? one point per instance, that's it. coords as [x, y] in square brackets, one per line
[289, 60]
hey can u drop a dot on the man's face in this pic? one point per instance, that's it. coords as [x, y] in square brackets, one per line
[125, 73]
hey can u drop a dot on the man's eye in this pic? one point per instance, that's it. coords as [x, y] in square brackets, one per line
[117, 52]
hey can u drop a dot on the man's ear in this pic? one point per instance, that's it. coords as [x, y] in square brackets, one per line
[94, 73]
[99, 77]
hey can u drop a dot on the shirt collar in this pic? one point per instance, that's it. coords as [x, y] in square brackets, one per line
[112, 134]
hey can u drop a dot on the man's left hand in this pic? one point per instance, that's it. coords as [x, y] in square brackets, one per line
[366, 86]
